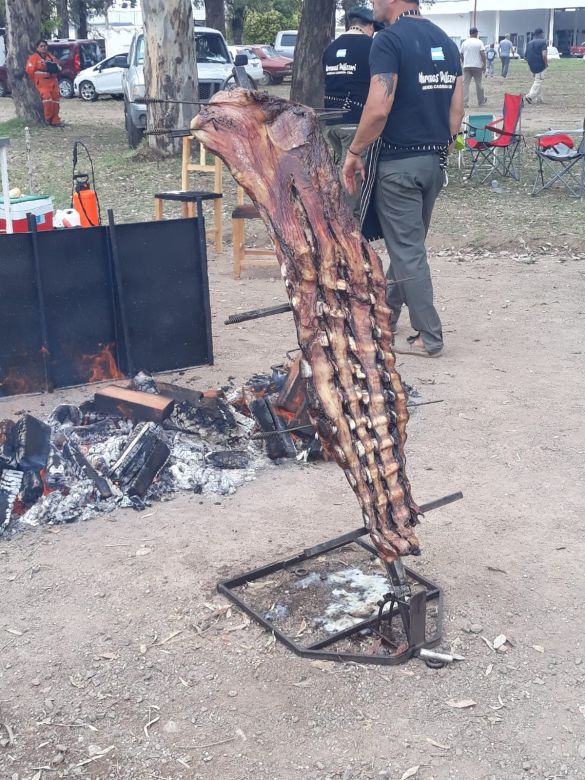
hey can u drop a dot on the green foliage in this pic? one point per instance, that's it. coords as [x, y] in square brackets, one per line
[261, 27]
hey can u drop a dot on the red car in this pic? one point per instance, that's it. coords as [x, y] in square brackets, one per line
[73, 57]
[578, 51]
[274, 65]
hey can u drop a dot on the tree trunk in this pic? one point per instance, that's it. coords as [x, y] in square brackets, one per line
[63, 14]
[215, 15]
[170, 69]
[80, 9]
[23, 24]
[238, 15]
[313, 39]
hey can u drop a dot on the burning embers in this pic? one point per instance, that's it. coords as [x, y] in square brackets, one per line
[138, 443]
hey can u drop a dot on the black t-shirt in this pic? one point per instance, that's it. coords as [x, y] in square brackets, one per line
[427, 64]
[534, 54]
[347, 75]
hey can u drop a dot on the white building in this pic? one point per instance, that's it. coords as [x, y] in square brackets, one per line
[564, 25]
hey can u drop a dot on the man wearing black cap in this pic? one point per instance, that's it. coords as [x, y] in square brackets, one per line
[412, 115]
[537, 59]
[346, 64]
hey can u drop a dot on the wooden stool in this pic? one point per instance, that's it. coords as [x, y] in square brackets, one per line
[240, 214]
[188, 199]
[188, 167]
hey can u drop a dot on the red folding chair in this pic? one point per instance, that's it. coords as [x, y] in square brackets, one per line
[502, 153]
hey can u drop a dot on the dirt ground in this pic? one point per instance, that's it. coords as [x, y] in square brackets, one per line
[120, 664]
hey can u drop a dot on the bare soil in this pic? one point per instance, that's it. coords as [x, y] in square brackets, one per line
[133, 660]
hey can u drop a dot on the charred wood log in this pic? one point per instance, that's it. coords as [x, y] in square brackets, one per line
[336, 286]
[141, 462]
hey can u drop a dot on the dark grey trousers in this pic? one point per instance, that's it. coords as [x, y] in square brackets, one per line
[405, 194]
[339, 138]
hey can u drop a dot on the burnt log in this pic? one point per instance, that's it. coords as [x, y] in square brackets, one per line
[334, 280]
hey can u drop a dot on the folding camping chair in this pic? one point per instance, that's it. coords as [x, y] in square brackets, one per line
[559, 160]
[501, 154]
[475, 130]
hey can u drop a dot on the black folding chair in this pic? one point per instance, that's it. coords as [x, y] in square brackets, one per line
[559, 162]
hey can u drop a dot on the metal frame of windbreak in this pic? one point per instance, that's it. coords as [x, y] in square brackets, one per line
[411, 609]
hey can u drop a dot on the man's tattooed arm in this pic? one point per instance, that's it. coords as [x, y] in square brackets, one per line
[387, 81]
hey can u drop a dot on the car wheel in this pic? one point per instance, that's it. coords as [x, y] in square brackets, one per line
[265, 80]
[133, 133]
[277, 79]
[66, 88]
[87, 92]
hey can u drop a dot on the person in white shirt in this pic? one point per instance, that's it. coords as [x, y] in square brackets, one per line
[474, 62]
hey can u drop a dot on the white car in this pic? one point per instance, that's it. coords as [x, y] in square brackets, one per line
[254, 67]
[105, 78]
[285, 42]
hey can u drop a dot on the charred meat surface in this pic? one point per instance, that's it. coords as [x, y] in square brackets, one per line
[336, 286]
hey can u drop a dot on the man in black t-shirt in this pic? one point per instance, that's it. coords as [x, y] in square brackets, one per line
[537, 59]
[414, 109]
[346, 66]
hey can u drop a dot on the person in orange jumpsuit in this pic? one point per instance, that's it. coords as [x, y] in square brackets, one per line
[42, 69]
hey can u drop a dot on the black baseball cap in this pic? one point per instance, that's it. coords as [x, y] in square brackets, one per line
[473, 30]
[363, 14]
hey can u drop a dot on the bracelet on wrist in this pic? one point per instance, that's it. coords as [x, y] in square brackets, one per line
[355, 154]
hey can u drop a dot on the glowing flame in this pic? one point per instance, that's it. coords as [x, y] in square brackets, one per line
[101, 366]
[14, 383]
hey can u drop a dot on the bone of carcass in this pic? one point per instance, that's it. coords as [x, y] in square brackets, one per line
[32, 443]
[336, 286]
[10, 485]
[141, 461]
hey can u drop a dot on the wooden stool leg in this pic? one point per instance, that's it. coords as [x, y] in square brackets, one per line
[190, 209]
[184, 210]
[238, 246]
[158, 209]
[217, 208]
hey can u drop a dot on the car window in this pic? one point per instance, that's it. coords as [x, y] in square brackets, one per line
[90, 54]
[211, 48]
[139, 55]
[249, 53]
[119, 61]
[270, 51]
[288, 40]
[60, 52]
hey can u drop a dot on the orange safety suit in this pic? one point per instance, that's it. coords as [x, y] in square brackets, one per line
[47, 85]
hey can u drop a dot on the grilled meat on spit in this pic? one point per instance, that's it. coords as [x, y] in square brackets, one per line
[336, 286]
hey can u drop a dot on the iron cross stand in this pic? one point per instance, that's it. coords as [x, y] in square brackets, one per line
[400, 630]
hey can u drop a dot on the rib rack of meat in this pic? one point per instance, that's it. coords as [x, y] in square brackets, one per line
[336, 286]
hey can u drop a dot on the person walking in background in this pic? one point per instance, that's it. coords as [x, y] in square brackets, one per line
[474, 63]
[490, 57]
[412, 115]
[537, 59]
[505, 50]
[346, 63]
[42, 68]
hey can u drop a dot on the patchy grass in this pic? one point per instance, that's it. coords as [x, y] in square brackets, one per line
[13, 127]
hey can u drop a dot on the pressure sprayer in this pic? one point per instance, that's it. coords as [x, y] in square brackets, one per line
[84, 197]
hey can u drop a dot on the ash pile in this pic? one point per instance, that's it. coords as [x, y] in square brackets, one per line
[142, 442]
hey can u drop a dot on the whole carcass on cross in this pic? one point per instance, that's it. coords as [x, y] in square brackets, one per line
[336, 286]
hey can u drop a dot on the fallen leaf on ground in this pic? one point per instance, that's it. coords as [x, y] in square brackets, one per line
[461, 704]
[499, 641]
[410, 772]
[538, 648]
[488, 670]
[14, 631]
[438, 744]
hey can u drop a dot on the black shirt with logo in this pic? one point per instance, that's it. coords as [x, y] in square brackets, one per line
[427, 64]
[346, 63]
[534, 54]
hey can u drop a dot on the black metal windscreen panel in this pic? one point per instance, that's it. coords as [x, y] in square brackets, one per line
[77, 287]
[137, 294]
[163, 285]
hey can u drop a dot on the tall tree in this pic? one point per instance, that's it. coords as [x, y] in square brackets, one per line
[63, 16]
[215, 15]
[170, 69]
[79, 11]
[23, 24]
[307, 82]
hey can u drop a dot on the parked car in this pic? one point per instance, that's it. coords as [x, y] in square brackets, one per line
[254, 67]
[214, 66]
[105, 78]
[285, 42]
[74, 56]
[275, 67]
[578, 51]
